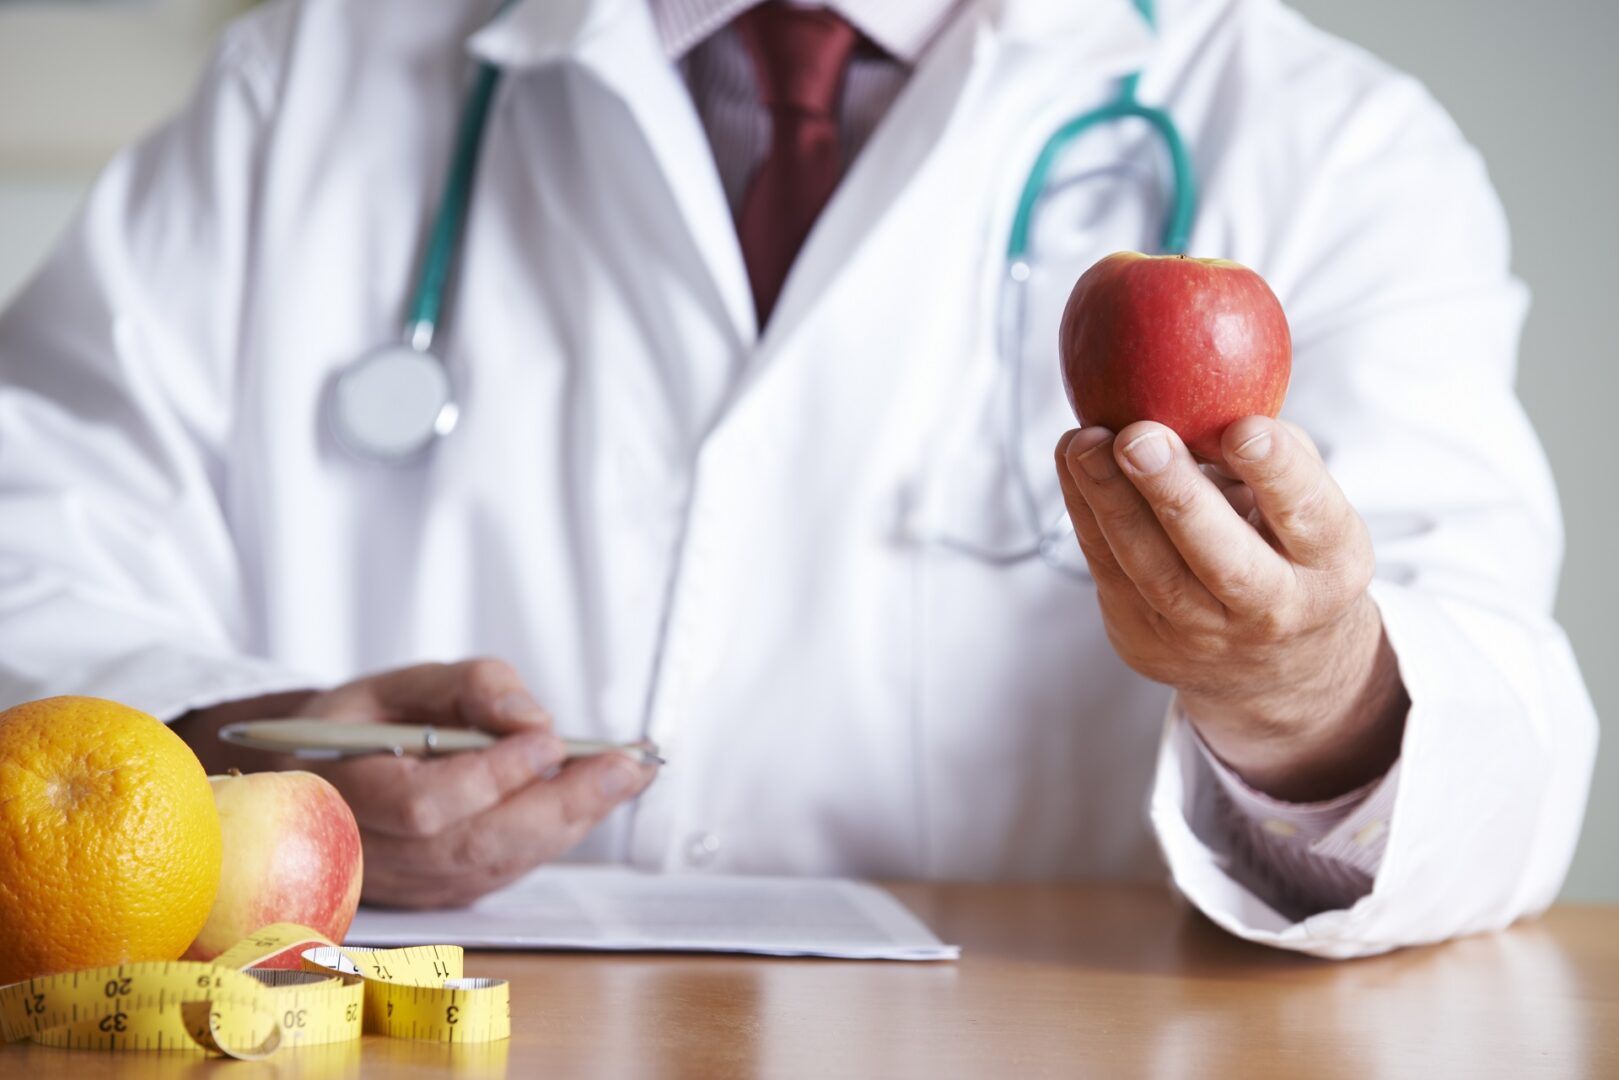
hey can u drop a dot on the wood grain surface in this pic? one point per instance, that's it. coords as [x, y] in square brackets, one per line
[1055, 980]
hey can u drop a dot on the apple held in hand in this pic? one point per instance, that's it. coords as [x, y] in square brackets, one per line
[292, 854]
[1195, 344]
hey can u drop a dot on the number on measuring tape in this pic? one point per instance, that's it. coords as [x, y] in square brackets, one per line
[234, 1008]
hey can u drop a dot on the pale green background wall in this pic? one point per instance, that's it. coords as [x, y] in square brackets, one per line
[1533, 84]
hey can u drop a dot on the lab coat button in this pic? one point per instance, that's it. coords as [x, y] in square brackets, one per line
[701, 848]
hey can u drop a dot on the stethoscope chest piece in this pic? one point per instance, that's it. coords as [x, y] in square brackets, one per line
[390, 404]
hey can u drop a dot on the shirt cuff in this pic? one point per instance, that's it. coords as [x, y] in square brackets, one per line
[1313, 856]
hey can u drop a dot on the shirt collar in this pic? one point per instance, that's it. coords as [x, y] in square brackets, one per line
[901, 28]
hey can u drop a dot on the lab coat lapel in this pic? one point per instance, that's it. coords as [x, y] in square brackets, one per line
[617, 41]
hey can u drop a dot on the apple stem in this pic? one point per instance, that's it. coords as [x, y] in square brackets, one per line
[233, 772]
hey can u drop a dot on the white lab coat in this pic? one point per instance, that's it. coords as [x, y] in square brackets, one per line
[676, 528]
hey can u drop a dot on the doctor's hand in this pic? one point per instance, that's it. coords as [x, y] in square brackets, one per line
[440, 832]
[1246, 592]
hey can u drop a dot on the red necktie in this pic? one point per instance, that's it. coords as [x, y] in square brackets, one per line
[799, 58]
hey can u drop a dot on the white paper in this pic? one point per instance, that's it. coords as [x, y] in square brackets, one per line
[617, 909]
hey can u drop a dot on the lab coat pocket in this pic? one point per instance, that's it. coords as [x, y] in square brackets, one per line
[992, 504]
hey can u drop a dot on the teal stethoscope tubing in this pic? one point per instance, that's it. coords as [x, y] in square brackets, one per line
[450, 220]
[391, 404]
[1183, 206]
[1049, 540]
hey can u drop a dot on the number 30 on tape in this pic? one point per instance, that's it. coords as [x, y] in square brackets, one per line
[231, 1007]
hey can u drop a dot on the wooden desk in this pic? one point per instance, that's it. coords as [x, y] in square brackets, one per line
[1111, 981]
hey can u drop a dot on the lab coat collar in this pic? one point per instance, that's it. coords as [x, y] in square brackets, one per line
[530, 33]
[537, 32]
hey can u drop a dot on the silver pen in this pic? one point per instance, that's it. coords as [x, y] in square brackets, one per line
[323, 740]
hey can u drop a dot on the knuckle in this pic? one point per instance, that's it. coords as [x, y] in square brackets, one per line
[1245, 588]
[421, 816]
[1305, 508]
[1272, 623]
[485, 851]
[501, 772]
[433, 671]
[1175, 502]
[1167, 589]
[487, 675]
[1344, 551]
[1346, 572]
[1275, 621]
[1114, 513]
[580, 808]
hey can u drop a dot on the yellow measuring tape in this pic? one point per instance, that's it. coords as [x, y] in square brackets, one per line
[230, 1007]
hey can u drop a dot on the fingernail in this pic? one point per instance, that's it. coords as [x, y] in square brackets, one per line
[620, 781]
[1148, 453]
[520, 709]
[1255, 447]
[1098, 461]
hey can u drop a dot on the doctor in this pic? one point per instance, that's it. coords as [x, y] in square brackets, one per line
[745, 431]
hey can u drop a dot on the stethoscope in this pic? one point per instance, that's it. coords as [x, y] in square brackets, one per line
[1050, 539]
[393, 403]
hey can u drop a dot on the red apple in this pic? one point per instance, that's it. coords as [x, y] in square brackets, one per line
[292, 854]
[1195, 344]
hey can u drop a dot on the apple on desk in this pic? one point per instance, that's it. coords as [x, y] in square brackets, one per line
[291, 854]
[1195, 344]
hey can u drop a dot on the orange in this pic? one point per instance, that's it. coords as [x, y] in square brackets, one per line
[109, 840]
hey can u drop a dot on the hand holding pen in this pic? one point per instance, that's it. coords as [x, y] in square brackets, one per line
[443, 824]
